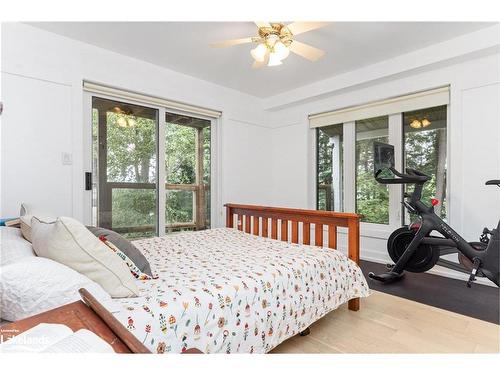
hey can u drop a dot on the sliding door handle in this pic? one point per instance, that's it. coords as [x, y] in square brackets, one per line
[88, 180]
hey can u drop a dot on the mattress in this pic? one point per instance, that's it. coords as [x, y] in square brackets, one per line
[226, 291]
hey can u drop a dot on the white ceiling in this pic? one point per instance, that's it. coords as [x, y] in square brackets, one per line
[183, 47]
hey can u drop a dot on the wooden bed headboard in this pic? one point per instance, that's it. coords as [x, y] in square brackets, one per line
[264, 221]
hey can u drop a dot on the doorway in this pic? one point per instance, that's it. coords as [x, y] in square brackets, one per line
[151, 169]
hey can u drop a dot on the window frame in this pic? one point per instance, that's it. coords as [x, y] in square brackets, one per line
[316, 165]
[356, 171]
[198, 186]
[396, 210]
[404, 213]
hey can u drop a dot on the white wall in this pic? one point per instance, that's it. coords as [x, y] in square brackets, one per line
[42, 76]
[247, 173]
[474, 144]
[27, 155]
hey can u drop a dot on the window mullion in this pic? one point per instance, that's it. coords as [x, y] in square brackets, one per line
[199, 202]
[161, 175]
[395, 191]
[217, 212]
[349, 166]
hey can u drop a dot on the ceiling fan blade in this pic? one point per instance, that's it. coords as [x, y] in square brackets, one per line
[262, 24]
[231, 42]
[297, 28]
[306, 51]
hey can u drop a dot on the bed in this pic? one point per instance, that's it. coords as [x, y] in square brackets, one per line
[247, 287]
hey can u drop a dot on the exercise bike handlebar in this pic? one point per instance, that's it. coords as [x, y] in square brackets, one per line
[411, 176]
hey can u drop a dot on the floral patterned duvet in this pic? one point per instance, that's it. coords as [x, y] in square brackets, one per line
[225, 291]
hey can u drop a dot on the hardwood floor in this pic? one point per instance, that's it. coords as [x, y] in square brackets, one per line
[390, 324]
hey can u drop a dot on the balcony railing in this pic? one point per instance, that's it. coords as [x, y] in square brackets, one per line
[199, 222]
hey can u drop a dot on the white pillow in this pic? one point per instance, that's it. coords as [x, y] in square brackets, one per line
[26, 213]
[69, 242]
[13, 246]
[35, 285]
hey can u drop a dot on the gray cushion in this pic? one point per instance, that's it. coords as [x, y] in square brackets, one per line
[126, 246]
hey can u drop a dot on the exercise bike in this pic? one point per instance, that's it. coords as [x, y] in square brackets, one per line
[412, 248]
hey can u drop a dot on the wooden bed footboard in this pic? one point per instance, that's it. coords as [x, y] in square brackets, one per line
[295, 225]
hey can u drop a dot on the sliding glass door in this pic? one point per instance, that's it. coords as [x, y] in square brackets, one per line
[151, 169]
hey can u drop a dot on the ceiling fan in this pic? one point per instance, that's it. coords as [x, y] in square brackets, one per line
[275, 42]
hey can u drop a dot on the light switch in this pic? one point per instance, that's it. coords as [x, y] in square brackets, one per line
[67, 158]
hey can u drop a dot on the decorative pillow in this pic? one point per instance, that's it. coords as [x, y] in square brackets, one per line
[13, 247]
[26, 226]
[125, 246]
[67, 241]
[35, 285]
[136, 272]
[26, 213]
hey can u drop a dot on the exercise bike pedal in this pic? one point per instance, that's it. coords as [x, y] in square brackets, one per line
[473, 273]
[386, 277]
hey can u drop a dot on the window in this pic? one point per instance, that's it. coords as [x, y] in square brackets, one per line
[424, 134]
[415, 124]
[372, 198]
[329, 185]
[127, 195]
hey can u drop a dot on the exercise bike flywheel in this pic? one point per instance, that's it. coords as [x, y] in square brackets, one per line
[424, 258]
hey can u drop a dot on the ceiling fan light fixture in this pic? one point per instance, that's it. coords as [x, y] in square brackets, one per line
[274, 60]
[275, 41]
[425, 122]
[281, 50]
[259, 52]
[272, 39]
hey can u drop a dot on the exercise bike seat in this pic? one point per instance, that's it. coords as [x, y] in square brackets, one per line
[493, 182]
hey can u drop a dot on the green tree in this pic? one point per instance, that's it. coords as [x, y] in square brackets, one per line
[324, 168]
